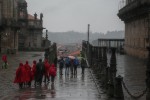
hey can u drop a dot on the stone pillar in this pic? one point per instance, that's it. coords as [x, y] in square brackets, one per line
[100, 58]
[105, 66]
[118, 91]
[112, 72]
[113, 62]
[148, 75]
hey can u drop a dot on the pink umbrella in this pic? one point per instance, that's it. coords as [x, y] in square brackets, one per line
[71, 57]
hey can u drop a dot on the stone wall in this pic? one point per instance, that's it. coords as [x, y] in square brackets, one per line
[136, 34]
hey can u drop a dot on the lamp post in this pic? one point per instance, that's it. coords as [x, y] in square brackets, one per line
[88, 44]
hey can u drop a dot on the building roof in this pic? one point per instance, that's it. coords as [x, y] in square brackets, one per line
[75, 53]
[31, 17]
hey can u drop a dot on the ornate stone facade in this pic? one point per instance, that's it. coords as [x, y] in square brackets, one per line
[18, 29]
[136, 17]
[8, 25]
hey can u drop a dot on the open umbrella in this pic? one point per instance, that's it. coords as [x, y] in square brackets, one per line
[80, 58]
[71, 57]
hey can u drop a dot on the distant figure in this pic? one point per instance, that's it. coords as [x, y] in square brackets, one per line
[61, 65]
[39, 72]
[83, 65]
[67, 65]
[33, 70]
[71, 66]
[52, 73]
[28, 74]
[75, 65]
[55, 61]
[46, 73]
[4, 59]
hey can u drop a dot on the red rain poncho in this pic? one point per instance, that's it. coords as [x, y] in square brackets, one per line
[4, 58]
[33, 70]
[52, 70]
[47, 66]
[28, 72]
[20, 78]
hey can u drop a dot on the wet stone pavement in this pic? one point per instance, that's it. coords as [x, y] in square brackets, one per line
[67, 87]
[70, 87]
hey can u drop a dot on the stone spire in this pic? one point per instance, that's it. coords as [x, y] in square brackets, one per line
[41, 16]
[46, 35]
[35, 16]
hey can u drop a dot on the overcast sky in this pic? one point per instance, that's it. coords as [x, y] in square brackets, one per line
[66, 15]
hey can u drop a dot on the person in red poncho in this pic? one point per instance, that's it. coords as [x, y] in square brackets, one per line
[46, 73]
[19, 78]
[33, 70]
[28, 73]
[52, 73]
[4, 58]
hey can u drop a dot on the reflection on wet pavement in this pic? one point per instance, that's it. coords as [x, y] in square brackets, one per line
[66, 87]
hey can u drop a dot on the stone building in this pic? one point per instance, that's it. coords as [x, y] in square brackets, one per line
[30, 35]
[18, 29]
[8, 25]
[136, 17]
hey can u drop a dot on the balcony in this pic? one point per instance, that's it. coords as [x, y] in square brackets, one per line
[35, 24]
[132, 8]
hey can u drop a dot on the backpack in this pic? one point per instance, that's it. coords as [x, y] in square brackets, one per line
[52, 71]
[76, 62]
[67, 61]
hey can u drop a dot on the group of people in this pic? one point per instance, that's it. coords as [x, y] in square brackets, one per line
[25, 74]
[71, 64]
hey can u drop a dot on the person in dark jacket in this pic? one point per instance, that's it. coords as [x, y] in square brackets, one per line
[40, 70]
[83, 65]
[61, 65]
[55, 61]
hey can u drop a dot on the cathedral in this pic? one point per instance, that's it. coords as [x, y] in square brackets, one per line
[19, 30]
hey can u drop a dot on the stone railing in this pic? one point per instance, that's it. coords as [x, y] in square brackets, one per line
[106, 74]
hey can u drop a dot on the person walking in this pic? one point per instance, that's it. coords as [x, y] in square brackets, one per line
[4, 59]
[33, 70]
[52, 72]
[55, 61]
[72, 66]
[83, 65]
[75, 65]
[20, 78]
[67, 65]
[28, 74]
[46, 73]
[39, 72]
[61, 65]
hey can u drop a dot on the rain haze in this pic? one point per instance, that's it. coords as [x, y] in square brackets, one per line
[66, 15]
